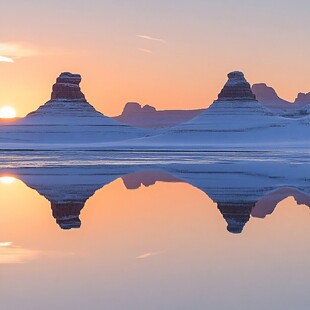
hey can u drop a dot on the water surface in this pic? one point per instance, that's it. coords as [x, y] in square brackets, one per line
[154, 231]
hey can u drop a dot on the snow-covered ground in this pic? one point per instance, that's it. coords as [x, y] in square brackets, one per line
[235, 121]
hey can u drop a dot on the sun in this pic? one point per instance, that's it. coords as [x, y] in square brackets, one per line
[7, 179]
[7, 112]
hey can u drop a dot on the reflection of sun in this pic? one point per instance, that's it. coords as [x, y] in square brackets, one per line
[7, 179]
[7, 112]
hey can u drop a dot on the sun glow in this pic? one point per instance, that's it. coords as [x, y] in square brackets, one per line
[7, 112]
[6, 59]
[7, 179]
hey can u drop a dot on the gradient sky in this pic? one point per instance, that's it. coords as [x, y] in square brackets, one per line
[196, 43]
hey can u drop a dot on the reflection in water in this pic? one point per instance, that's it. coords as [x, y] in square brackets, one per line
[147, 255]
[154, 237]
[7, 179]
[13, 254]
[238, 195]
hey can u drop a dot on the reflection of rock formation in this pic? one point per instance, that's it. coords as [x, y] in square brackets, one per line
[245, 188]
[67, 201]
[236, 215]
[240, 188]
[67, 214]
[268, 203]
[147, 178]
[67, 192]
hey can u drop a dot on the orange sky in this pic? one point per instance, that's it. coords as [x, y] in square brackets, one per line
[196, 43]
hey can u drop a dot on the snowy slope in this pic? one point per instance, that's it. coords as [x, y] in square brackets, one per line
[235, 120]
[65, 119]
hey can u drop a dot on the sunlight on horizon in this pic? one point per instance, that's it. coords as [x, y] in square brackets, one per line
[7, 179]
[7, 112]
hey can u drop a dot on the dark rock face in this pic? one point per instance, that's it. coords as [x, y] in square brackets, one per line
[67, 87]
[67, 214]
[236, 88]
[236, 215]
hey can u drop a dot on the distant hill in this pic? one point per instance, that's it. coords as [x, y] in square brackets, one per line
[268, 97]
[136, 115]
[148, 117]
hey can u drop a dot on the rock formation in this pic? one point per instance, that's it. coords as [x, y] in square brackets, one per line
[148, 117]
[268, 97]
[66, 119]
[302, 99]
[236, 118]
[67, 100]
[236, 88]
[67, 87]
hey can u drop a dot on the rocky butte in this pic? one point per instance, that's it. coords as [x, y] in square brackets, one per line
[66, 119]
[268, 97]
[67, 101]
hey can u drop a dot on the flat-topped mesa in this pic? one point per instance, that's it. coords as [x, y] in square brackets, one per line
[302, 99]
[236, 88]
[67, 87]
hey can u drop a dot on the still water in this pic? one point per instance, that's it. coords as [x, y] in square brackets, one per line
[154, 230]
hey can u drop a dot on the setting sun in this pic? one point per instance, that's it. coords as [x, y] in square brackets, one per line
[7, 112]
[7, 179]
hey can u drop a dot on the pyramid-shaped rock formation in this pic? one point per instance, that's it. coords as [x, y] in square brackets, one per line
[236, 117]
[66, 120]
[68, 101]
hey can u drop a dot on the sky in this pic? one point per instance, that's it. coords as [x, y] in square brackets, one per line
[169, 54]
